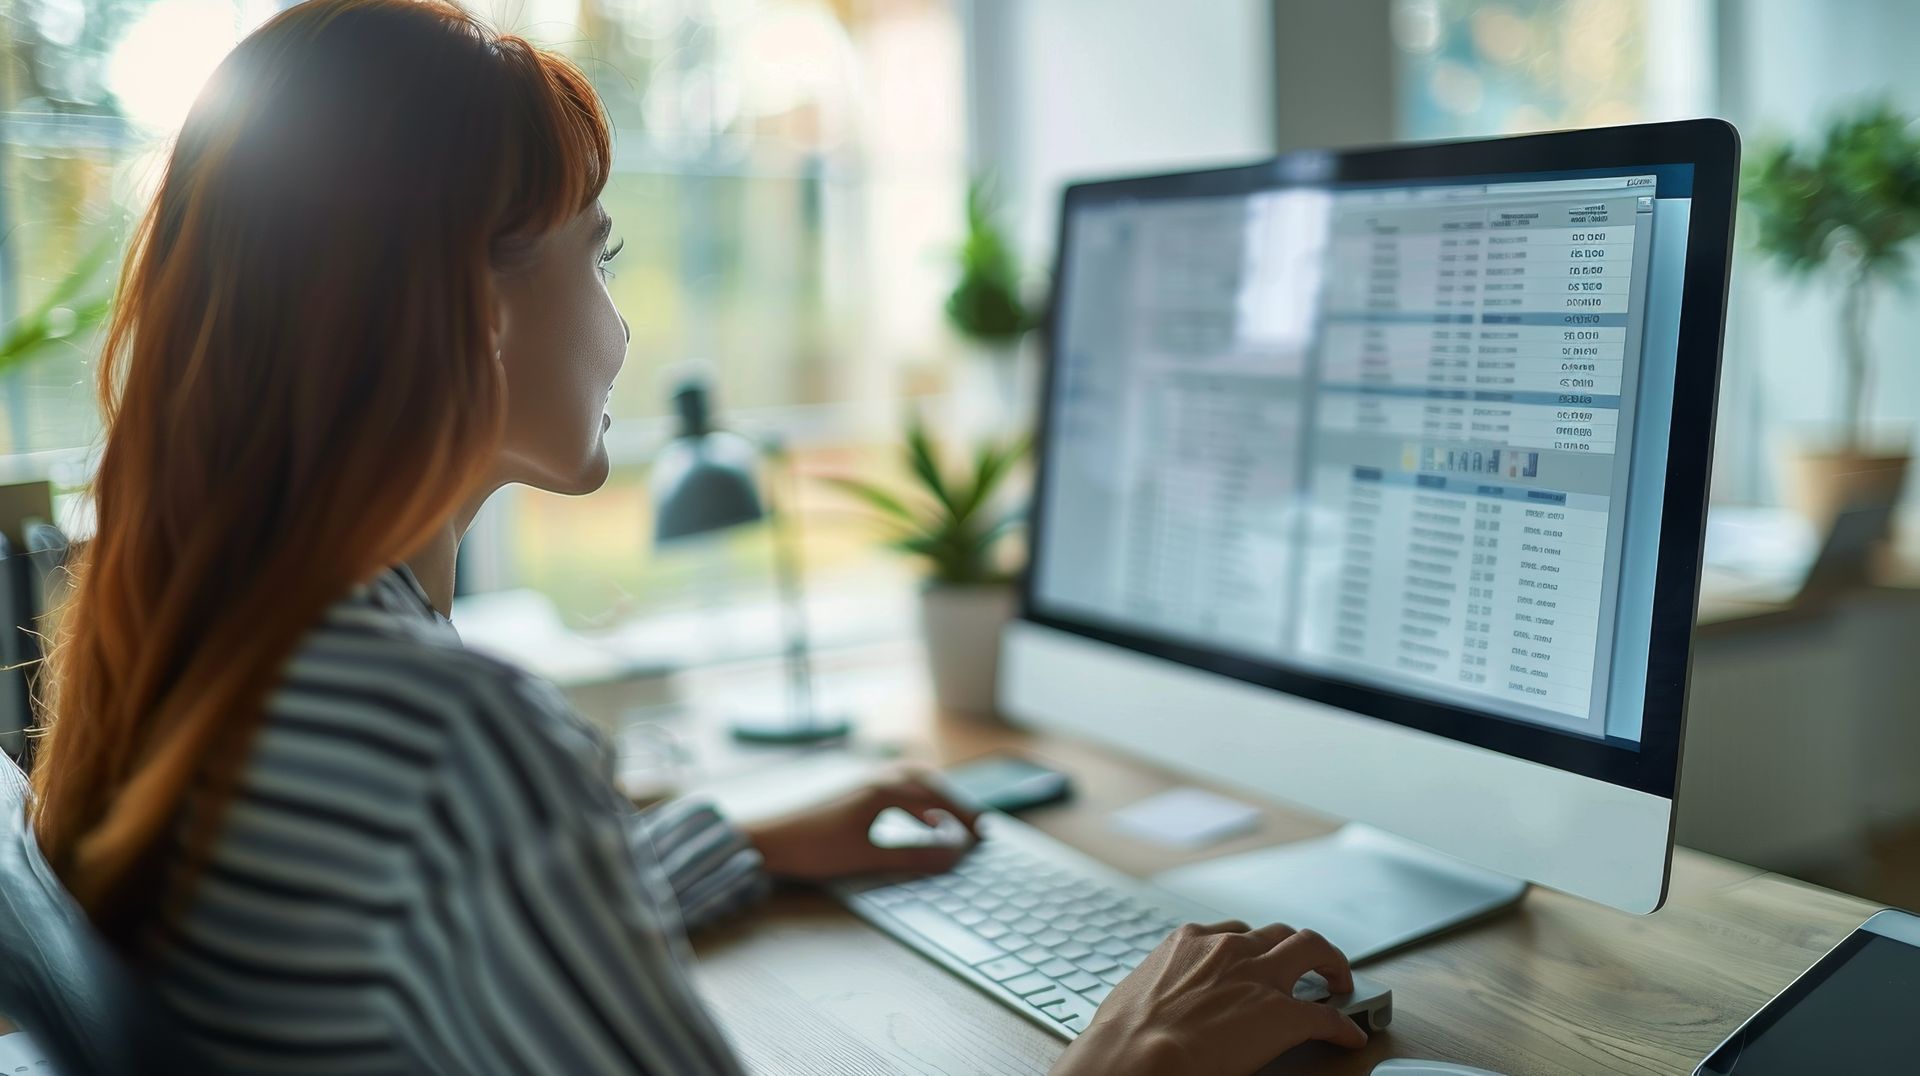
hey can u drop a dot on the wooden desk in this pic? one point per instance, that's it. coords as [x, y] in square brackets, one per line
[1726, 612]
[1555, 986]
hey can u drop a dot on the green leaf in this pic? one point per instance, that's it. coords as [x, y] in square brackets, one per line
[82, 273]
[919, 543]
[924, 458]
[37, 327]
[992, 463]
[874, 496]
[1004, 527]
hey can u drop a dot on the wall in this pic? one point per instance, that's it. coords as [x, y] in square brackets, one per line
[1336, 79]
[1072, 89]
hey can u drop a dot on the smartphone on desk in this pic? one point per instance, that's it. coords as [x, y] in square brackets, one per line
[1009, 783]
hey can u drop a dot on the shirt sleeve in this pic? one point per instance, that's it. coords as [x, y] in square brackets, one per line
[713, 868]
[570, 941]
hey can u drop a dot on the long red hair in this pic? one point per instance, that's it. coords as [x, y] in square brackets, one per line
[300, 389]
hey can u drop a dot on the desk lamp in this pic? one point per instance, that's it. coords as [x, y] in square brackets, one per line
[705, 481]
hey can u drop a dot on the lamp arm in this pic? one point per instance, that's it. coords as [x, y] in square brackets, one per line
[788, 571]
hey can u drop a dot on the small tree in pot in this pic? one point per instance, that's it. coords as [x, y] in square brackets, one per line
[956, 522]
[1847, 208]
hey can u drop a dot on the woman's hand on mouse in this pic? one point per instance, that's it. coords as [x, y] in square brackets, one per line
[830, 840]
[1215, 1000]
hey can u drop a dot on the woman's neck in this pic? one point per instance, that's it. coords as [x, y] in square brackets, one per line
[434, 564]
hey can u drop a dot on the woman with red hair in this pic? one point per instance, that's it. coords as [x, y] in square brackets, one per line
[368, 294]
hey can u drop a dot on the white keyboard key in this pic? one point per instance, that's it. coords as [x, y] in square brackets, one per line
[944, 932]
[1004, 968]
[1030, 984]
[1072, 1007]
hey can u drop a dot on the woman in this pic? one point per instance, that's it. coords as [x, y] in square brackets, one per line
[368, 294]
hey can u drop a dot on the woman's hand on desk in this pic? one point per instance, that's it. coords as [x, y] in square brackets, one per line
[1215, 1000]
[831, 840]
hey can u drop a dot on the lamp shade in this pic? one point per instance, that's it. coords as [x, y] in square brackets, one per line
[705, 483]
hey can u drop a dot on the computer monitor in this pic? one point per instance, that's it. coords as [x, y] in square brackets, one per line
[1375, 481]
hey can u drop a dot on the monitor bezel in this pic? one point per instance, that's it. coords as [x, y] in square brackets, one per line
[1712, 148]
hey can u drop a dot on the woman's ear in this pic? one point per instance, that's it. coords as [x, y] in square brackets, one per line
[496, 324]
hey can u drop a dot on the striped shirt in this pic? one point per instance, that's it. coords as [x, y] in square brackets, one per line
[427, 867]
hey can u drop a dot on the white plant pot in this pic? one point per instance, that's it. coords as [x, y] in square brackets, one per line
[962, 625]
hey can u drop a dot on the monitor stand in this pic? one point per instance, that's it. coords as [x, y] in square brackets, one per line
[1368, 891]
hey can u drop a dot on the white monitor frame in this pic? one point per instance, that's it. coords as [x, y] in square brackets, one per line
[1507, 815]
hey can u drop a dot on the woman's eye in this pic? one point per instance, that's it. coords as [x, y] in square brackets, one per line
[607, 255]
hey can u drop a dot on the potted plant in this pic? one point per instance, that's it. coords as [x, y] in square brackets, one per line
[1845, 207]
[957, 524]
[987, 310]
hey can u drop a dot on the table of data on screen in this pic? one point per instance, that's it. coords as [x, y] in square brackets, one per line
[1473, 356]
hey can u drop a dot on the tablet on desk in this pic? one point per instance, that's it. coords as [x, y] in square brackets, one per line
[1852, 1012]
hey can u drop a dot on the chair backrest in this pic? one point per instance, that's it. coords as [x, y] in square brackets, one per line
[16, 649]
[59, 980]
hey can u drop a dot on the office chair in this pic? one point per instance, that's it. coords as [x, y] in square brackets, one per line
[59, 981]
[32, 578]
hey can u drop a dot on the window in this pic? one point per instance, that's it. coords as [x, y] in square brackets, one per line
[1527, 65]
[788, 180]
[1472, 67]
[89, 91]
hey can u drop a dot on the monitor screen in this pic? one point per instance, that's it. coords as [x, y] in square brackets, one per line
[1409, 435]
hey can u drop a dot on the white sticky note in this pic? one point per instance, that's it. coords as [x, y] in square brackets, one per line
[1186, 818]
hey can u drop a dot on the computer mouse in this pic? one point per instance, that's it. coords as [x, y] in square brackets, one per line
[1370, 1005]
[1409, 1066]
[895, 828]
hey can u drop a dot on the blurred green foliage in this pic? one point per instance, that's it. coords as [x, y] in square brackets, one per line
[949, 520]
[69, 310]
[1845, 204]
[1851, 194]
[986, 304]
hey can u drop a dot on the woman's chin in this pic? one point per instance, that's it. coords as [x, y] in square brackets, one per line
[582, 473]
[588, 476]
[598, 467]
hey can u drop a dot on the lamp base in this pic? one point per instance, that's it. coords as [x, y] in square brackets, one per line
[785, 728]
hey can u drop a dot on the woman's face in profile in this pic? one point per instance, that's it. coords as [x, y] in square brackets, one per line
[561, 343]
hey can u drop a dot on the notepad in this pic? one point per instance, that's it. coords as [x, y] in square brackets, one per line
[1186, 818]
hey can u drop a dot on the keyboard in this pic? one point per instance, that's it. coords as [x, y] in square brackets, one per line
[1048, 931]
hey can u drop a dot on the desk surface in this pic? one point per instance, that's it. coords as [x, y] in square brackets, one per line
[1725, 609]
[1555, 986]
